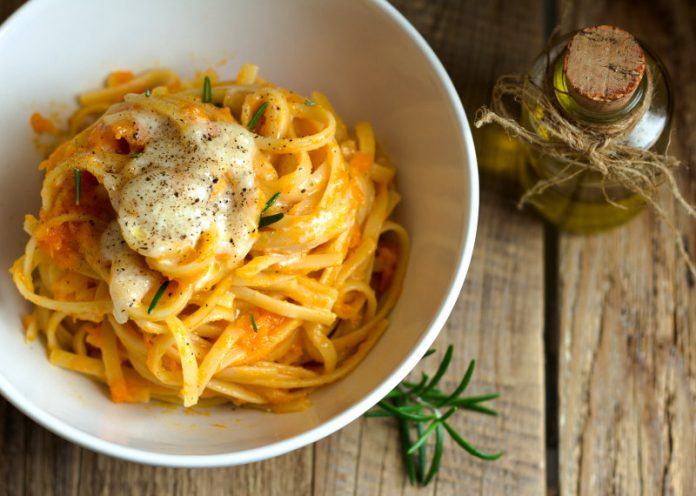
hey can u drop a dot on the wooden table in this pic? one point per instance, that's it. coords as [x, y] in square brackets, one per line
[591, 340]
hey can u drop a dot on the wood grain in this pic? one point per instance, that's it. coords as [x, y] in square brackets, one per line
[499, 316]
[627, 381]
[285, 475]
[498, 320]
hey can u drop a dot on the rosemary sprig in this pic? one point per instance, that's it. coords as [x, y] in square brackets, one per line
[207, 90]
[270, 202]
[253, 322]
[158, 296]
[267, 220]
[270, 219]
[257, 116]
[310, 103]
[421, 408]
[77, 173]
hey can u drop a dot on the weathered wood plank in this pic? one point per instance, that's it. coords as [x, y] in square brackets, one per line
[628, 308]
[499, 317]
[32, 460]
[56, 469]
[285, 475]
[35, 462]
[12, 449]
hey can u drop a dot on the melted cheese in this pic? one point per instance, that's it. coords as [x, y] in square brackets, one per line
[194, 178]
[190, 178]
[131, 279]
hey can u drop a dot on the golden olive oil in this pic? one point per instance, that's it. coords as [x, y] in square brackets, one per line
[587, 202]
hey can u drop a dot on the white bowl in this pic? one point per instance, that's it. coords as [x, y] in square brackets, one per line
[371, 63]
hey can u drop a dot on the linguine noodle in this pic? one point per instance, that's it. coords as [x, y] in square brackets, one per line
[283, 268]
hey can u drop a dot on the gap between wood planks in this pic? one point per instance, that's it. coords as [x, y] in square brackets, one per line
[551, 320]
[551, 350]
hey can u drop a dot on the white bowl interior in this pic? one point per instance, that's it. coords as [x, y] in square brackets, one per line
[371, 67]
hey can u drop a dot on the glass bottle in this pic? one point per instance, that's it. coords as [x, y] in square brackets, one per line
[581, 204]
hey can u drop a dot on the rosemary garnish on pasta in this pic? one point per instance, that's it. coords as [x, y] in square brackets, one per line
[310, 103]
[207, 90]
[253, 322]
[418, 407]
[257, 116]
[158, 296]
[270, 202]
[270, 219]
[77, 173]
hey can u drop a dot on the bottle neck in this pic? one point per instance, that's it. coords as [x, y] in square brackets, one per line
[578, 112]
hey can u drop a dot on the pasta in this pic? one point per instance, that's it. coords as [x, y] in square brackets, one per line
[211, 241]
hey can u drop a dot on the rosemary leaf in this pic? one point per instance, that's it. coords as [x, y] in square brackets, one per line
[417, 388]
[253, 323]
[474, 399]
[428, 353]
[421, 455]
[397, 411]
[77, 174]
[437, 454]
[207, 90]
[158, 296]
[271, 201]
[257, 116]
[462, 384]
[408, 459]
[377, 413]
[480, 409]
[394, 393]
[270, 219]
[426, 434]
[468, 447]
[440, 370]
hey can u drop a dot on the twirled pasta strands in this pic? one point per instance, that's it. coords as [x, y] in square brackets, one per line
[303, 307]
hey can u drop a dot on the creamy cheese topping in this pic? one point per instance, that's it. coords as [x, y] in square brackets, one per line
[131, 279]
[194, 176]
[189, 178]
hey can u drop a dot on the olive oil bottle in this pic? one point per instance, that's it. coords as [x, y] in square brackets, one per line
[597, 76]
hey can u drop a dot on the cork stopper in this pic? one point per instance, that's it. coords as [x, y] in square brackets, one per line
[603, 67]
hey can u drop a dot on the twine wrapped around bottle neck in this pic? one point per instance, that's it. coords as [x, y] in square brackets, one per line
[581, 147]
